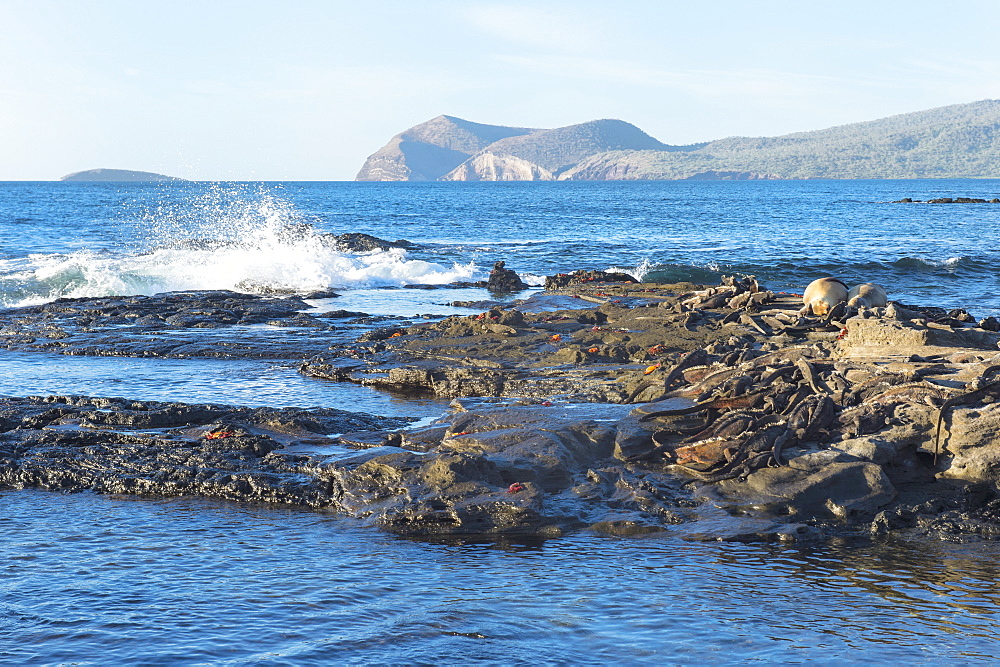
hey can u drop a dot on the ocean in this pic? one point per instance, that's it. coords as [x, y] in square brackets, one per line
[96, 580]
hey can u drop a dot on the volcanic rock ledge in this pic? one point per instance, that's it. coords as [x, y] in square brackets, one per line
[619, 407]
[112, 445]
[793, 424]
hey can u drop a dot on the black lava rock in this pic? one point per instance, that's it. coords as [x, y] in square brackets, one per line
[503, 279]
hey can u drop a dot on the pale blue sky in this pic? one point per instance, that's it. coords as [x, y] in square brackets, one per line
[219, 89]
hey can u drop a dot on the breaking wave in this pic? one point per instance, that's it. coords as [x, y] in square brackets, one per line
[257, 244]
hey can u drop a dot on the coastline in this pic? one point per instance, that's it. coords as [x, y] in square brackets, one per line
[622, 408]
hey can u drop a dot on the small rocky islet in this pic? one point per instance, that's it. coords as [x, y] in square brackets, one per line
[600, 403]
[948, 200]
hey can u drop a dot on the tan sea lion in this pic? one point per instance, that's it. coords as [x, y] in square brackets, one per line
[868, 295]
[822, 295]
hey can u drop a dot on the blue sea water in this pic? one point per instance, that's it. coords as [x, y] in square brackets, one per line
[86, 239]
[100, 580]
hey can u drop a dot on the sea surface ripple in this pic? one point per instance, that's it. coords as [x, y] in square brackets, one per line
[105, 580]
[93, 239]
[99, 580]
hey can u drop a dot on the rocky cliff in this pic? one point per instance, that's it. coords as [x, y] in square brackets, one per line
[489, 166]
[428, 151]
[452, 149]
[563, 147]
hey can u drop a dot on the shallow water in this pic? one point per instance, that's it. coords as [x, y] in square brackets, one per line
[227, 382]
[100, 580]
[193, 581]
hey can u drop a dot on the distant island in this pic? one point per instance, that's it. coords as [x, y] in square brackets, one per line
[116, 175]
[958, 141]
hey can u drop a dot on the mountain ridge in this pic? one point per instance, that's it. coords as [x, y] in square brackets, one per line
[954, 141]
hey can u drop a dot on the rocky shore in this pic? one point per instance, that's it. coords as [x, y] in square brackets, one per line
[948, 200]
[600, 403]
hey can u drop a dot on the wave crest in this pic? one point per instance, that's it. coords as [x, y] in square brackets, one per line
[220, 242]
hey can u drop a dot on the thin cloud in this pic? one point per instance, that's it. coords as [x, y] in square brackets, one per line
[953, 68]
[706, 82]
[533, 26]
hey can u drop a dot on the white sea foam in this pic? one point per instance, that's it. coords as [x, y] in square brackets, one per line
[639, 271]
[953, 261]
[249, 246]
[532, 279]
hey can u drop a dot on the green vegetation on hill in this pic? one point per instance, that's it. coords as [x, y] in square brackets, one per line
[959, 141]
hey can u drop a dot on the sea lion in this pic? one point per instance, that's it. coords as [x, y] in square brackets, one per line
[822, 295]
[868, 295]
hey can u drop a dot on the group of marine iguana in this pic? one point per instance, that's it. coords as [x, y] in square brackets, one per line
[746, 406]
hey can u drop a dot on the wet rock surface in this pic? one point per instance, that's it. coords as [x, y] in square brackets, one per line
[221, 324]
[347, 242]
[587, 353]
[583, 277]
[504, 280]
[817, 421]
[948, 200]
[357, 242]
[624, 408]
[112, 445]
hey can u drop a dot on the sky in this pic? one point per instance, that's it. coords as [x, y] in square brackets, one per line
[306, 90]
